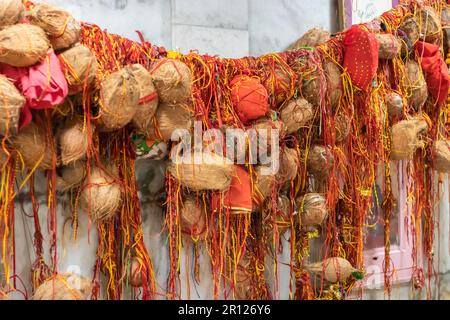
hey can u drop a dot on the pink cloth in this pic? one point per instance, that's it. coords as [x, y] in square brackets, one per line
[43, 85]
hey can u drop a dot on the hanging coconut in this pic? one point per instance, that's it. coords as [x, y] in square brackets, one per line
[193, 219]
[172, 79]
[263, 183]
[297, 114]
[289, 165]
[334, 269]
[119, 99]
[312, 38]
[80, 67]
[136, 272]
[311, 85]
[73, 140]
[390, 46]
[273, 130]
[101, 195]
[61, 27]
[34, 148]
[406, 138]
[441, 154]
[11, 103]
[430, 24]
[280, 83]
[409, 31]
[312, 209]
[169, 118]
[148, 99]
[23, 45]
[10, 12]
[335, 87]
[342, 124]
[394, 104]
[70, 176]
[66, 286]
[213, 172]
[416, 85]
[320, 161]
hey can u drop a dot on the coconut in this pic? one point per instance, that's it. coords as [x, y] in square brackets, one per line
[264, 182]
[266, 127]
[70, 176]
[73, 141]
[311, 87]
[416, 85]
[441, 152]
[289, 164]
[32, 145]
[406, 138]
[119, 95]
[312, 38]
[66, 286]
[214, 172]
[136, 269]
[193, 219]
[101, 194]
[11, 102]
[335, 86]
[61, 27]
[297, 114]
[409, 31]
[312, 209]
[80, 67]
[172, 79]
[320, 161]
[10, 12]
[394, 104]
[430, 23]
[390, 46]
[342, 124]
[334, 269]
[170, 118]
[23, 45]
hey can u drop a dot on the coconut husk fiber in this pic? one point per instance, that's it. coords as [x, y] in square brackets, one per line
[289, 165]
[61, 27]
[335, 87]
[213, 172]
[320, 161]
[119, 100]
[409, 30]
[193, 218]
[313, 37]
[263, 183]
[312, 209]
[101, 195]
[66, 286]
[333, 269]
[11, 103]
[441, 156]
[172, 79]
[390, 46]
[10, 12]
[282, 218]
[430, 23]
[297, 114]
[73, 140]
[406, 138]
[80, 67]
[342, 124]
[168, 118]
[148, 99]
[416, 85]
[394, 103]
[70, 176]
[23, 45]
[33, 147]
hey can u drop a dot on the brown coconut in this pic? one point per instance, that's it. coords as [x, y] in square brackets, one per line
[335, 87]
[319, 161]
[23, 45]
[34, 148]
[73, 140]
[168, 118]
[172, 79]
[119, 95]
[297, 114]
[441, 156]
[61, 27]
[333, 269]
[416, 85]
[213, 172]
[390, 46]
[10, 12]
[394, 103]
[136, 269]
[312, 38]
[193, 218]
[342, 125]
[311, 86]
[70, 176]
[80, 67]
[143, 118]
[406, 138]
[67, 286]
[269, 128]
[289, 164]
[312, 209]
[264, 181]
[430, 23]
[11, 103]
[410, 30]
[101, 194]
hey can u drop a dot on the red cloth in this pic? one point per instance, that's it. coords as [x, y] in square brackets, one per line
[249, 98]
[43, 85]
[435, 69]
[238, 197]
[361, 56]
